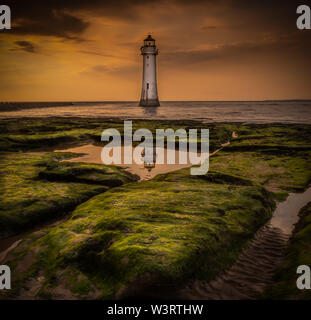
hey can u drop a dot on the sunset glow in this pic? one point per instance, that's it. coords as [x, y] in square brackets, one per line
[209, 50]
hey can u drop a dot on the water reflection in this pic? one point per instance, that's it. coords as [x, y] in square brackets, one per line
[149, 157]
[150, 111]
[286, 213]
[145, 167]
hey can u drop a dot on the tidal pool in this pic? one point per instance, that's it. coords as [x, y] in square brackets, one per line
[286, 214]
[93, 154]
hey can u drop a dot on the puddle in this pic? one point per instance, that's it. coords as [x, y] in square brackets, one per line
[286, 214]
[92, 154]
[146, 171]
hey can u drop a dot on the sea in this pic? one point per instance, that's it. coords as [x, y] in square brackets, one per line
[291, 111]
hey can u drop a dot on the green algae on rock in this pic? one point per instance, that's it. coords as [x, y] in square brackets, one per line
[145, 238]
[32, 133]
[274, 155]
[37, 187]
[279, 173]
[151, 232]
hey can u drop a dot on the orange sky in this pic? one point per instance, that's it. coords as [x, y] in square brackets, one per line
[209, 50]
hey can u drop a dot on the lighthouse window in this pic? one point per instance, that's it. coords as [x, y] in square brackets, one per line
[147, 57]
[147, 86]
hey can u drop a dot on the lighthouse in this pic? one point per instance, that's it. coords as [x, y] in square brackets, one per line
[149, 91]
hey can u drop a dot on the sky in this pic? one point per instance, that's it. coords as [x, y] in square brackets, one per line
[76, 50]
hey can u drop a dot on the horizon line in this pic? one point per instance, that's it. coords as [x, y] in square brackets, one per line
[132, 101]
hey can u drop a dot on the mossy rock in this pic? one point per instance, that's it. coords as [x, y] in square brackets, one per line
[298, 253]
[109, 176]
[144, 232]
[37, 187]
[143, 238]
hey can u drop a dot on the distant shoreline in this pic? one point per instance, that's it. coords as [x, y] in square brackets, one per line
[15, 106]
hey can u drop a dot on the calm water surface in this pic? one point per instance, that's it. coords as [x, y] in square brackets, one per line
[93, 154]
[206, 111]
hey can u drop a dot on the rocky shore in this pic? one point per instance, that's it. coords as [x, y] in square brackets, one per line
[127, 239]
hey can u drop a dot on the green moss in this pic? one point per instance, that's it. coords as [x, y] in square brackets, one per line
[298, 253]
[109, 176]
[167, 230]
[279, 173]
[30, 134]
[37, 187]
[277, 137]
[143, 230]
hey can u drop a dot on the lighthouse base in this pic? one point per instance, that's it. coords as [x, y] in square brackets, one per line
[149, 103]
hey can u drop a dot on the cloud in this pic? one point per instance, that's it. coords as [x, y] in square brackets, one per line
[296, 43]
[126, 71]
[202, 43]
[25, 46]
[204, 28]
[100, 68]
[60, 25]
[68, 19]
[97, 53]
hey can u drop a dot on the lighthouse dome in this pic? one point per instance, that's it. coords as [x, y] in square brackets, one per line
[149, 41]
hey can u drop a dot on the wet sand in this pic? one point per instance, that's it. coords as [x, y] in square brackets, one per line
[10, 243]
[254, 269]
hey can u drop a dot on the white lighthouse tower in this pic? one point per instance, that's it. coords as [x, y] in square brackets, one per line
[149, 92]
